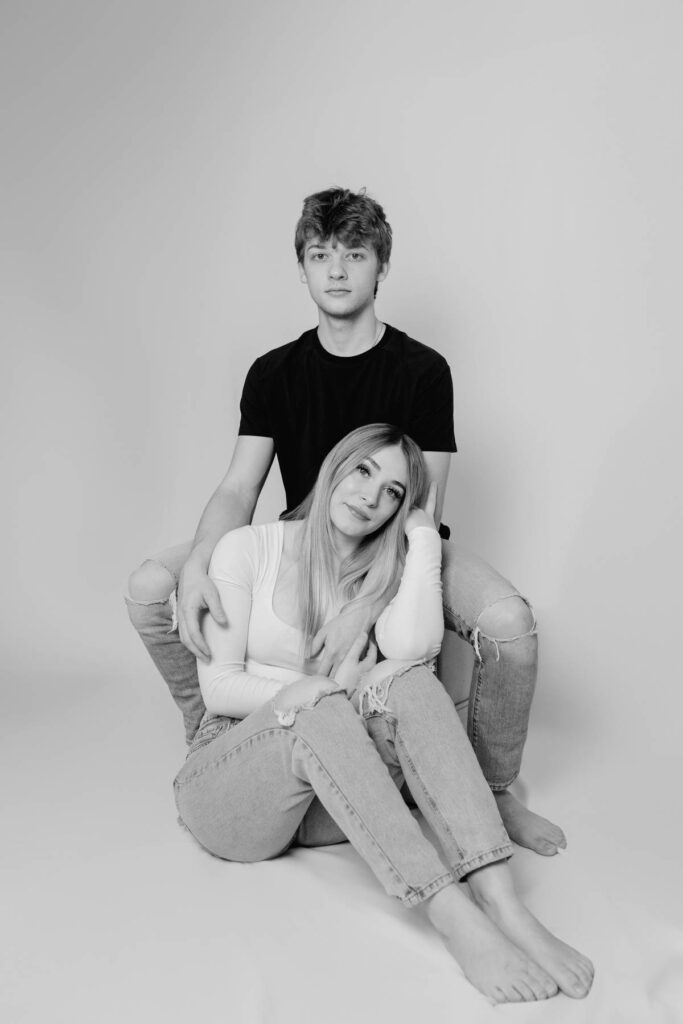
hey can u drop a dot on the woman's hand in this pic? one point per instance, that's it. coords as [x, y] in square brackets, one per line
[335, 639]
[354, 666]
[423, 516]
[304, 692]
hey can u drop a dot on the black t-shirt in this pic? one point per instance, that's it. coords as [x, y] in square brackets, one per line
[307, 399]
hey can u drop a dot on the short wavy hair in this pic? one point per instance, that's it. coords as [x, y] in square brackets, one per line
[352, 217]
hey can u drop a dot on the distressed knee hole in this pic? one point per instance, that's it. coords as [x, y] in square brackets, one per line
[151, 583]
[507, 619]
[286, 712]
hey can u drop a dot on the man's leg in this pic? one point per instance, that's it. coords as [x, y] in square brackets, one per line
[490, 614]
[151, 608]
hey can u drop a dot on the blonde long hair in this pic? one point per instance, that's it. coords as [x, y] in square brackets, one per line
[374, 569]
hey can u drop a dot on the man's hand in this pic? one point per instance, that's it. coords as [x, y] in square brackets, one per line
[423, 516]
[335, 638]
[197, 594]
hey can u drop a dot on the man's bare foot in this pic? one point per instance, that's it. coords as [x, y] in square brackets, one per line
[528, 829]
[493, 964]
[494, 894]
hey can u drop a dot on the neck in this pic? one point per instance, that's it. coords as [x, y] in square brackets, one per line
[349, 336]
[343, 547]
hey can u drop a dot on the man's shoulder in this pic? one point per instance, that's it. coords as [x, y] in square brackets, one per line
[276, 359]
[414, 353]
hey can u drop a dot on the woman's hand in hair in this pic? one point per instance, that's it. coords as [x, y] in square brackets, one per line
[423, 516]
[356, 663]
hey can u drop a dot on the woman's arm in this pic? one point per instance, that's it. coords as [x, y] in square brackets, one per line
[227, 688]
[411, 626]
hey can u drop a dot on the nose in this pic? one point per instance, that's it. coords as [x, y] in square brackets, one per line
[337, 269]
[370, 495]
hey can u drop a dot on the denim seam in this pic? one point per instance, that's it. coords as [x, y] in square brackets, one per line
[412, 894]
[480, 859]
[418, 896]
[254, 738]
[415, 774]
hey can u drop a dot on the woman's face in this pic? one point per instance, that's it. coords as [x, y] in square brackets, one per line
[370, 495]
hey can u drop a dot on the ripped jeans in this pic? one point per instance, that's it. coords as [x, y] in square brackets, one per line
[251, 789]
[505, 660]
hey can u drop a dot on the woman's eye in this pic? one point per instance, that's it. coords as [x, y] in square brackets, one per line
[363, 470]
[393, 493]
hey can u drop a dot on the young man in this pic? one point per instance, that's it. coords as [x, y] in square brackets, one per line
[298, 401]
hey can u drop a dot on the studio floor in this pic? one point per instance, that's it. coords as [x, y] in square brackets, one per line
[112, 913]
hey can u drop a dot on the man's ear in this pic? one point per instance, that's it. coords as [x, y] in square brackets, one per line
[383, 271]
[302, 273]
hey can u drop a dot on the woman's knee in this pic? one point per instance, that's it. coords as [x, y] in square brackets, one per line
[151, 583]
[418, 684]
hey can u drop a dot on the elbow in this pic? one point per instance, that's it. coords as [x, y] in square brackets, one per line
[417, 646]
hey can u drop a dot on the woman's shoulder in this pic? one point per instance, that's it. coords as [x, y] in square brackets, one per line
[247, 547]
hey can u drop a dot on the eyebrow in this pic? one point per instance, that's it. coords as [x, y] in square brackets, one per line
[377, 466]
[325, 245]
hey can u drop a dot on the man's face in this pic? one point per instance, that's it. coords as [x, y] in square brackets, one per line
[341, 280]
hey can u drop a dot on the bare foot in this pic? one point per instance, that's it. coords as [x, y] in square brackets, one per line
[528, 829]
[572, 971]
[493, 964]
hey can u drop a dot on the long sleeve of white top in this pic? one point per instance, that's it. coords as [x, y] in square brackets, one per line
[411, 626]
[226, 685]
[409, 629]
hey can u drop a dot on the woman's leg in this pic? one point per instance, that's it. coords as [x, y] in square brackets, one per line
[486, 610]
[419, 730]
[244, 795]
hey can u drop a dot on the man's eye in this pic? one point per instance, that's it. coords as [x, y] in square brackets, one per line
[356, 256]
[318, 256]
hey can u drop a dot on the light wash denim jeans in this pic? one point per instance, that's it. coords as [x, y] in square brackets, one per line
[251, 789]
[503, 677]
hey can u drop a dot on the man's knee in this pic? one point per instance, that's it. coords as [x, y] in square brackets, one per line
[507, 619]
[151, 583]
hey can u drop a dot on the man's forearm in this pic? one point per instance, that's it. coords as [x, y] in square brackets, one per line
[227, 510]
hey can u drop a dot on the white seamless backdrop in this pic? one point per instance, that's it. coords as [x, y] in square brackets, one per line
[529, 157]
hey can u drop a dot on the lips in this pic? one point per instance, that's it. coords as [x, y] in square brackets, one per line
[337, 291]
[357, 513]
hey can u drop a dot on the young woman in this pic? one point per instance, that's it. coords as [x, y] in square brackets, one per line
[287, 756]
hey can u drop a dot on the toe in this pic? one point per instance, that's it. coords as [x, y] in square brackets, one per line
[525, 991]
[572, 985]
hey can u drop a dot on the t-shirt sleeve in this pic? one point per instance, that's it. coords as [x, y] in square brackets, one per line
[254, 405]
[226, 686]
[432, 414]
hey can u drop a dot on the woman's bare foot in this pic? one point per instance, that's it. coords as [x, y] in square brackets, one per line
[489, 960]
[494, 893]
[528, 829]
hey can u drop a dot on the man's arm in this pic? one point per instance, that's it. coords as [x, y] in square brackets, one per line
[438, 464]
[231, 505]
